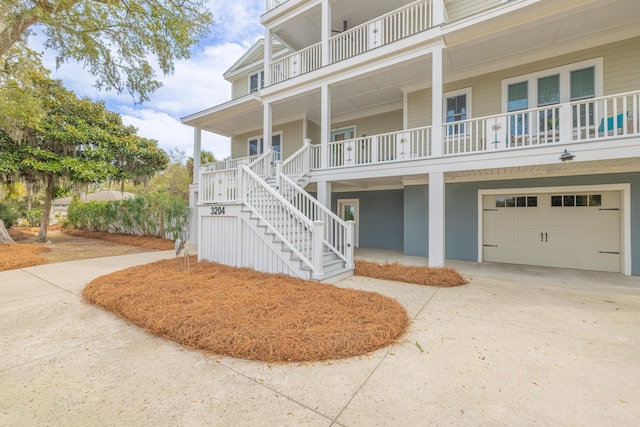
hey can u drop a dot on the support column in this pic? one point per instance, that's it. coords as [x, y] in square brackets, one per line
[325, 32]
[193, 188]
[267, 124]
[197, 143]
[436, 219]
[325, 125]
[324, 193]
[436, 102]
[268, 53]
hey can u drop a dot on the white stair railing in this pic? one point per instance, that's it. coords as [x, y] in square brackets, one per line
[299, 163]
[297, 232]
[338, 234]
[264, 165]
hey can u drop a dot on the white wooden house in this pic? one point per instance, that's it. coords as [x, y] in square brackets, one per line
[476, 130]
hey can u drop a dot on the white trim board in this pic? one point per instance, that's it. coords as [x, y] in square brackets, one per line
[624, 188]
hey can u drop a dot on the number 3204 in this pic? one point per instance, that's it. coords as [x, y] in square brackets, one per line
[217, 210]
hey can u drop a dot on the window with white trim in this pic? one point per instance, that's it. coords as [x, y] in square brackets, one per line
[571, 82]
[457, 107]
[256, 82]
[256, 144]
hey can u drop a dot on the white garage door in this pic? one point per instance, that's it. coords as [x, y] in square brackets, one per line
[564, 229]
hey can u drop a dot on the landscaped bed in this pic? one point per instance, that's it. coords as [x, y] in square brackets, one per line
[247, 314]
[243, 313]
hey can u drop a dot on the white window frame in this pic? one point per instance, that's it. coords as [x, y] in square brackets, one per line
[260, 138]
[565, 81]
[465, 91]
[260, 74]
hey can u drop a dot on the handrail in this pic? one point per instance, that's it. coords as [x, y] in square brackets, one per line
[388, 28]
[298, 164]
[282, 218]
[296, 63]
[338, 236]
[264, 164]
[228, 164]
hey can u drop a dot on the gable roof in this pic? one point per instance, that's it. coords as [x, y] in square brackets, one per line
[250, 57]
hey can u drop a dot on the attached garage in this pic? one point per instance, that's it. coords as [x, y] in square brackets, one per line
[577, 228]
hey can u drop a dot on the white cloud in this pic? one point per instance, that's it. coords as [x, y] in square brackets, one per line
[195, 85]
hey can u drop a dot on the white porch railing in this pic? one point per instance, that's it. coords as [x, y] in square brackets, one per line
[298, 164]
[606, 116]
[297, 232]
[385, 29]
[218, 186]
[297, 63]
[401, 145]
[316, 160]
[338, 234]
[228, 164]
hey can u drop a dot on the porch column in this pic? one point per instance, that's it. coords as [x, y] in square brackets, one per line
[436, 219]
[197, 142]
[267, 124]
[325, 125]
[324, 193]
[436, 102]
[268, 51]
[325, 31]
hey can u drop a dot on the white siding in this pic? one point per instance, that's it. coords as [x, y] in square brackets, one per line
[374, 125]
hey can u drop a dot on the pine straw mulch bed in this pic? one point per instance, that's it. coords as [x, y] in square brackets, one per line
[21, 255]
[441, 277]
[247, 314]
[146, 242]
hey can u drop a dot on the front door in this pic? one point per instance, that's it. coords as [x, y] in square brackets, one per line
[348, 210]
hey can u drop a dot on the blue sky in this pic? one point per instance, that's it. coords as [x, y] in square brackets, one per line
[196, 84]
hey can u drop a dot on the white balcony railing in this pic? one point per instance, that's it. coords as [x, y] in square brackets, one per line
[297, 63]
[218, 186]
[401, 145]
[385, 29]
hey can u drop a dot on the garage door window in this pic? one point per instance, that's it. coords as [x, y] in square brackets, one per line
[568, 200]
[516, 201]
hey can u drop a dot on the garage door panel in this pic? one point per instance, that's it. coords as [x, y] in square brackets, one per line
[526, 220]
[561, 220]
[560, 236]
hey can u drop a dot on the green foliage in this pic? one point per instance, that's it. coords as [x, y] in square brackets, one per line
[34, 216]
[114, 39]
[77, 140]
[8, 215]
[153, 214]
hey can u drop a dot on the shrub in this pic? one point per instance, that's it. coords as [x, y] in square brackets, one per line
[154, 214]
[34, 216]
[8, 215]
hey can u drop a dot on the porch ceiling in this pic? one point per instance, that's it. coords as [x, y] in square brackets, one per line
[539, 171]
[502, 40]
[304, 29]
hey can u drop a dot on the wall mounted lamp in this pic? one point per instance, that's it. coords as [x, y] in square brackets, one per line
[566, 156]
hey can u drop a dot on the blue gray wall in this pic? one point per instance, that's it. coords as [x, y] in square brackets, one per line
[381, 217]
[461, 213]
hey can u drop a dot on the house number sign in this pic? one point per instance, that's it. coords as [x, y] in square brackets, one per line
[217, 210]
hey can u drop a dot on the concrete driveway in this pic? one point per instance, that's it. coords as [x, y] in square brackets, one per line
[516, 346]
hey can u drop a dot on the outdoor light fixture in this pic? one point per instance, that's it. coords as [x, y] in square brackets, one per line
[566, 156]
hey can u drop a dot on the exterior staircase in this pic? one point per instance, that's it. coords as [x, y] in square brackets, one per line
[254, 214]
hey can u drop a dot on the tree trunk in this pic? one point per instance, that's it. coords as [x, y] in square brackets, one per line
[29, 194]
[4, 234]
[46, 210]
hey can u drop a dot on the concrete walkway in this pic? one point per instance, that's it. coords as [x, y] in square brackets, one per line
[516, 346]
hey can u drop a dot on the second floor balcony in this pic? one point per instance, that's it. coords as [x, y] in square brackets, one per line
[383, 30]
[566, 126]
